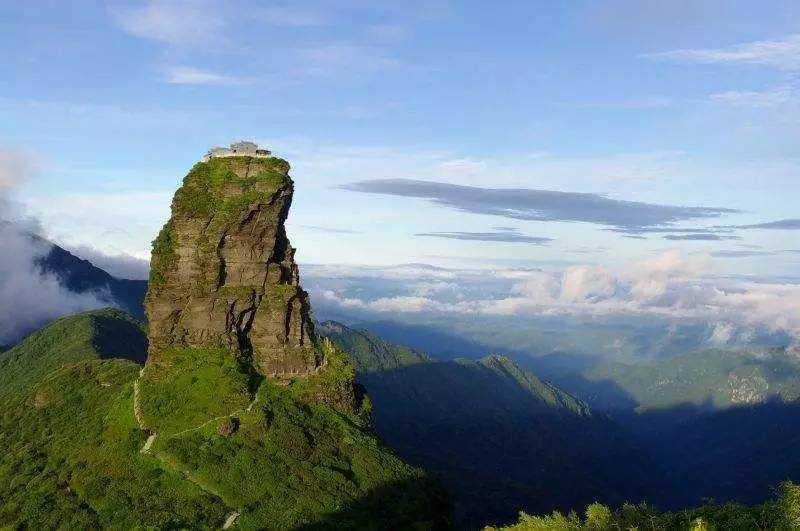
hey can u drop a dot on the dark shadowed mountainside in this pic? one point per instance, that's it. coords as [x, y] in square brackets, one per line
[502, 439]
[80, 276]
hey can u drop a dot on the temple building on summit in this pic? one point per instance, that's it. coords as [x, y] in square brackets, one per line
[238, 149]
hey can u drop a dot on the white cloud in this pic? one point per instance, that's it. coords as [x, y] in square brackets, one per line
[187, 75]
[115, 223]
[767, 99]
[28, 296]
[177, 22]
[16, 168]
[669, 284]
[783, 54]
[118, 265]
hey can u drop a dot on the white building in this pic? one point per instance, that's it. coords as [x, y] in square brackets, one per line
[238, 149]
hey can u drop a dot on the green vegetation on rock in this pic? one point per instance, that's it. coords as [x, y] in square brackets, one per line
[780, 514]
[164, 257]
[225, 186]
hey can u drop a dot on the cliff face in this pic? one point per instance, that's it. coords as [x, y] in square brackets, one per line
[223, 271]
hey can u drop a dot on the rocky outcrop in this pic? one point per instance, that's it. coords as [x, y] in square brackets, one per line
[223, 271]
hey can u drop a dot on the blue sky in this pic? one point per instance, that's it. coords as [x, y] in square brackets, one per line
[408, 123]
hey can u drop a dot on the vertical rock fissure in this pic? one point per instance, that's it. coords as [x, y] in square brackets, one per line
[222, 272]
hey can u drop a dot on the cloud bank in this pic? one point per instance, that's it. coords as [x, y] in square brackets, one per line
[28, 297]
[670, 285]
[120, 266]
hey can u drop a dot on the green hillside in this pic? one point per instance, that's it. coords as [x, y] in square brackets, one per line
[716, 378]
[98, 334]
[368, 352]
[76, 456]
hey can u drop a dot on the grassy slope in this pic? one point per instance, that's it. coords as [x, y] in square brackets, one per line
[72, 458]
[107, 333]
[73, 444]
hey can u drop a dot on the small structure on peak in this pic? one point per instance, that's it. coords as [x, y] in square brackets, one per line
[238, 149]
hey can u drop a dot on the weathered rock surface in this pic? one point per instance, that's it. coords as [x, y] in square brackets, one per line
[223, 270]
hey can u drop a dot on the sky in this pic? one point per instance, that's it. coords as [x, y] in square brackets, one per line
[532, 134]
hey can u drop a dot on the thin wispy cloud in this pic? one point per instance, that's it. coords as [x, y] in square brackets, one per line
[741, 254]
[670, 230]
[187, 75]
[781, 224]
[539, 205]
[331, 230]
[783, 54]
[766, 99]
[204, 22]
[700, 237]
[292, 16]
[629, 104]
[345, 60]
[506, 236]
[175, 22]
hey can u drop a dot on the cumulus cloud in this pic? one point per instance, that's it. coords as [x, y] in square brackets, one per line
[539, 205]
[670, 284]
[29, 297]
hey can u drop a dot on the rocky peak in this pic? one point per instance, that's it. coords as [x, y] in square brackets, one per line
[223, 271]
